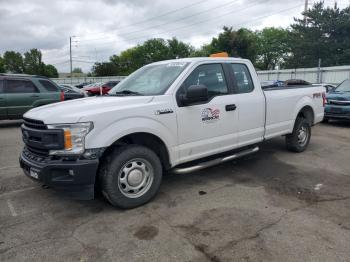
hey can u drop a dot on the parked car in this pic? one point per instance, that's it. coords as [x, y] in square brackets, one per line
[81, 85]
[338, 102]
[329, 87]
[271, 83]
[181, 115]
[19, 93]
[100, 88]
[72, 92]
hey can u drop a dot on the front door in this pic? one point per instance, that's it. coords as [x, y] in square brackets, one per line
[20, 96]
[209, 127]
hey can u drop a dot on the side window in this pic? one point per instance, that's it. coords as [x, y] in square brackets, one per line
[243, 78]
[50, 87]
[210, 75]
[20, 86]
[1, 86]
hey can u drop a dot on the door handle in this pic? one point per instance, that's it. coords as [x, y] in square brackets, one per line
[230, 107]
[34, 96]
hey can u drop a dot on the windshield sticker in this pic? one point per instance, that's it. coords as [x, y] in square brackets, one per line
[210, 115]
[176, 64]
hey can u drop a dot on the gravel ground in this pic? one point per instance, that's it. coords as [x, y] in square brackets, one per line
[271, 206]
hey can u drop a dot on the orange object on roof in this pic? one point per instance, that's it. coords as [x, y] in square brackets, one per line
[221, 54]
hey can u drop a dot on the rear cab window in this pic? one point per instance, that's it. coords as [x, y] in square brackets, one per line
[243, 79]
[49, 87]
[14, 86]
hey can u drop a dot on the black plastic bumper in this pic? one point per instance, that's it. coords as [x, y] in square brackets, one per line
[337, 116]
[76, 178]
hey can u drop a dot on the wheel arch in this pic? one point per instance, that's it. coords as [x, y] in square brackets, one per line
[308, 113]
[149, 140]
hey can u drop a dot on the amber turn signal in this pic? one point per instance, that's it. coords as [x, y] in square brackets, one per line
[67, 139]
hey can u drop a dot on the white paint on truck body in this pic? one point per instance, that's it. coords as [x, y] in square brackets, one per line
[189, 132]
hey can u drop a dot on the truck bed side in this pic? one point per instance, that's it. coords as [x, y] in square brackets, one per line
[284, 103]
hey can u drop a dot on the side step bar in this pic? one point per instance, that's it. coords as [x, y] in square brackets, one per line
[216, 161]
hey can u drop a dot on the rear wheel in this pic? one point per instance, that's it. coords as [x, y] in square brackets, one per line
[325, 120]
[300, 138]
[130, 176]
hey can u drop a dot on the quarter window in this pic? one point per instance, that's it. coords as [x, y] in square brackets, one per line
[243, 79]
[210, 75]
[50, 87]
[1, 86]
[20, 86]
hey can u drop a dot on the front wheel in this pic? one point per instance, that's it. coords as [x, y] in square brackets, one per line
[300, 138]
[130, 176]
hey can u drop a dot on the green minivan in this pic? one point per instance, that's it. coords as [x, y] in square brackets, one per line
[19, 93]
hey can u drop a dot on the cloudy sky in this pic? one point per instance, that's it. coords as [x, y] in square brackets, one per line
[106, 27]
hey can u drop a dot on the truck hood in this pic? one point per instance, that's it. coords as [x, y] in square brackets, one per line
[73, 110]
[340, 96]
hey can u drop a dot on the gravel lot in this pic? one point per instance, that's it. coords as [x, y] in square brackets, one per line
[272, 206]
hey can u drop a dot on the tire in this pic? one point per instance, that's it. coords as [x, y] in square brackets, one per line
[325, 120]
[296, 141]
[130, 176]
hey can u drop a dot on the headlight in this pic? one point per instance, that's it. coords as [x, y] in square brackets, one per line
[74, 138]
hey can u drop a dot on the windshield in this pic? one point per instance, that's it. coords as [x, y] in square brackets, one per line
[344, 87]
[150, 80]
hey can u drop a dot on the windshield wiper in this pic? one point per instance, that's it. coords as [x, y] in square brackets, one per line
[127, 92]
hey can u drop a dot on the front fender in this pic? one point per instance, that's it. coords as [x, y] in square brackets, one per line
[108, 135]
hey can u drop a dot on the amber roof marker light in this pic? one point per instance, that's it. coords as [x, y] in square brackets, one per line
[221, 54]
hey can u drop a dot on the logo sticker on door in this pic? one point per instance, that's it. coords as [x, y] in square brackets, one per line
[210, 115]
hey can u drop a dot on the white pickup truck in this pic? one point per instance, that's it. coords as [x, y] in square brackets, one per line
[180, 115]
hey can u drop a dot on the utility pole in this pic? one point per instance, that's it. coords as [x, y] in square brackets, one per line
[305, 10]
[70, 59]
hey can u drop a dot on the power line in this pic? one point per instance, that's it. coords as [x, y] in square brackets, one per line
[172, 21]
[190, 25]
[155, 17]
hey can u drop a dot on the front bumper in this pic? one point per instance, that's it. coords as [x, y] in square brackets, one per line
[337, 112]
[337, 116]
[74, 178]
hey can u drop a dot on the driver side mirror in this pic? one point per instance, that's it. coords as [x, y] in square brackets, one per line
[195, 94]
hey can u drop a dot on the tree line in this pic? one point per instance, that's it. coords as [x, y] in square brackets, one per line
[324, 34]
[28, 63]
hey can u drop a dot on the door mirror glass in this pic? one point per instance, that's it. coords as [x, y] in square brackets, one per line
[195, 94]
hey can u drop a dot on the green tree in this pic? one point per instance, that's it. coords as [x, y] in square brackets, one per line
[2, 65]
[50, 71]
[77, 70]
[105, 69]
[240, 43]
[324, 35]
[13, 62]
[273, 47]
[178, 49]
[33, 63]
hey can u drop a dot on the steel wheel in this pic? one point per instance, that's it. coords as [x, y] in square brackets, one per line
[303, 135]
[135, 178]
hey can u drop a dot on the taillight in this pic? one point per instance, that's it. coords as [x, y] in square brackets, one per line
[62, 96]
[324, 99]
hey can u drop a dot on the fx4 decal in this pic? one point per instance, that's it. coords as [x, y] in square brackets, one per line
[210, 115]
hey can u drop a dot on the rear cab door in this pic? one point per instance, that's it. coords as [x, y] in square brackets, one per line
[250, 103]
[20, 96]
[3, 109]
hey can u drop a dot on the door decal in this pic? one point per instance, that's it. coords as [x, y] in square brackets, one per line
[210, 115]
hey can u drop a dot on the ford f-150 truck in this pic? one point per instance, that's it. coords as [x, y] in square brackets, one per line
[180, 115]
